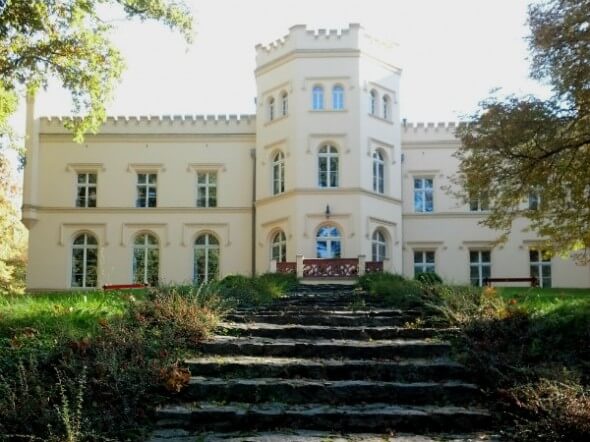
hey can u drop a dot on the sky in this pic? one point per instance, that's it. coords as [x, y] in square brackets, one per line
[452, 52]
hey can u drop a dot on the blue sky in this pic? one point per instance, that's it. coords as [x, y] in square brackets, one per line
[453, 52]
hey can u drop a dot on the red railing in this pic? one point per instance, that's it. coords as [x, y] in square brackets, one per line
[374, 267]
[286, 267]
[330, 268]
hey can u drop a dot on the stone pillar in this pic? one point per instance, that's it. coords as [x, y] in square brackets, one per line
[273, 266]
[299, 266]
[362, 265]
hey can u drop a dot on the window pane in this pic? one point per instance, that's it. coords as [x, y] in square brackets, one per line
[92, 178]
[81, 197]
[81, 178]
[419, 201]
[533, 255]
[153, 178]
[322, 249]
[428, 183]
[335, 249]
[485, 256]
[141, 178]
[417, 183]
[428, 204]
[417, 257]
[213, 197]
[429, 257]
[473, 271]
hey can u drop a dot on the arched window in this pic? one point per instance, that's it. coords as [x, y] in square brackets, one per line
[271, 109]
[338, 97]
[284, 104]
[374, 100]
[278, 250]
[386, 107]
[206, 258]
[146, 259]
[84, 261]
[328, 242]
[328, 166]
[317, 98]
[278, 173]
[378, 172]
[378, 246]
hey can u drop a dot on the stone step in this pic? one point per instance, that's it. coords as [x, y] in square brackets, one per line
[350, 319]
[291, 331]
[336, 348]
[315, 310]
[164, 435]
[301, 391]
[329, 369]
[206, 416]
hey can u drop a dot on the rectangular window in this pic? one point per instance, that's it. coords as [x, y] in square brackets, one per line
[540, 265]
[147, 193]
[480, 266]
[534, 200]
[86, 190]
[423, 261]
[479, 203]
[423, 195]
[207, 189]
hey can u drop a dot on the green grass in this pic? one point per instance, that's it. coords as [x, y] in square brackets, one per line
[53, 316]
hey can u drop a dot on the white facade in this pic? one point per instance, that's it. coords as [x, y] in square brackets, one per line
[324, 155]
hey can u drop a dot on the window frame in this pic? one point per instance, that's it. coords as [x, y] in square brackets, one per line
[278, 173]
[379, 245]
[479, 203]
[317, 98]
[208, 248]
[331, 153]
[424, 190]
[87, 185]
[278, 243]
[386, 107]
[480, 264]
[373, 102]
[423, 265]
[330, 241]
[148, 186]
[146, 247]
[206, 187]
[338, 97]
[543, 261]
[85, 247]
[284, 104]
[378, 166]
[271, 108]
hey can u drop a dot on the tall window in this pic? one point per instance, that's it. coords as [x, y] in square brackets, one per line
[424, 261]
[479, 203]
[147, 192]
[284, 104]
[271, 109]
[84, 261]
[317, 98]
[534, 200]
[540, 262]
[386, 107]
[278, 250]
[338, 97]
[423, 195]
[373, 103]
[146, 259]
[328, 166]
[378, 246]
[86, 191]
[328, 242]
[278, 173]
[207, 189]
[378, 172]
[480, 266]
[206, 258]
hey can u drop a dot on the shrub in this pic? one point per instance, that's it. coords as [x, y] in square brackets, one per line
[398, 293]
[428, 278]
[368, 279]
[259, 290]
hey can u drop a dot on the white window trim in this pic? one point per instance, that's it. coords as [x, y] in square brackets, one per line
[147, 186]
[84, 247]
[414, 190]
[327, 156]
[145, 247]
[207, 247]
[207, 186]
[423, 263]
[87, 186]
[281, 244]
[280, 166]
[480, 264]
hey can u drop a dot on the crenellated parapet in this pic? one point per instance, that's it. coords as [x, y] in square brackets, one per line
[353, 38]
[442, 132]
[149, 124]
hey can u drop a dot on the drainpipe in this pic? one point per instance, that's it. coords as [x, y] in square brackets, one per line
[253, 156]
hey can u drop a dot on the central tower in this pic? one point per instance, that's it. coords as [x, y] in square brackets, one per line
[328, 148]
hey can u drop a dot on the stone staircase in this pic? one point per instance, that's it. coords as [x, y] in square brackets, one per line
[309, 367]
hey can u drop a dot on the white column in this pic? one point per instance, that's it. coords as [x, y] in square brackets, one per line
[299, 266]
[362, 262]
[273, 266]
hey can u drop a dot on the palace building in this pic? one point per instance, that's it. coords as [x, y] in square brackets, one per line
[324, 179]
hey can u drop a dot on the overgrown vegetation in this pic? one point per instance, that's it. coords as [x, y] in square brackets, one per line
[393, 290]
[529, 349]
[93, 366]
[258, 290]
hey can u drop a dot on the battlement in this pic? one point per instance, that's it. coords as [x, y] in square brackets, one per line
[152, 124]
[353, 38]
[429, 132]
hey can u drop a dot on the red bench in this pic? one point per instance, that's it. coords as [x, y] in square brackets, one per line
[532, 280]
[123, 286]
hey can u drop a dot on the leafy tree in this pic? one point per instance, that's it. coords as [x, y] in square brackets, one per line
[520, 146]
[69, 40]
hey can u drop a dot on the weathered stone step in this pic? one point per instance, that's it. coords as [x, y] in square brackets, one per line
[329, 369]
[337, 348]
[291, 331]
[350, 319]
[301, 391]
[206, 416]
[315, 310]
[164, 435]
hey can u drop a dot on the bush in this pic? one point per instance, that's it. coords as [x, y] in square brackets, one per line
[259, 290]
[428, 278]
[400, 294]
[368, 279]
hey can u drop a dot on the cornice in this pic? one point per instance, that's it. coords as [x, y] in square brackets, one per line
[141, 210]
[449, 215]
[245, 137]
[329, 191]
